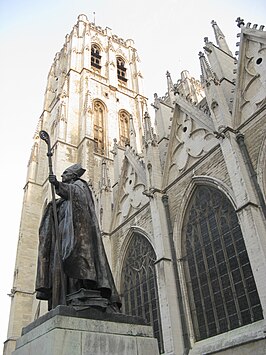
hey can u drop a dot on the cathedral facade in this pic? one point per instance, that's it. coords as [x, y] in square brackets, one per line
[181, 202]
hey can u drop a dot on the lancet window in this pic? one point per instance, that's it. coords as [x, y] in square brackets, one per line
[99, 118]
[124, 127]
[121, 69]
[139, 285]
[221, 287]
[95, 56]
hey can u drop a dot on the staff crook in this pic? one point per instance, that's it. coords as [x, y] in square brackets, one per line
[45, 137]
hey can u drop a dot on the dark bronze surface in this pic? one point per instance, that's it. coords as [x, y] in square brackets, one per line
[71, 256]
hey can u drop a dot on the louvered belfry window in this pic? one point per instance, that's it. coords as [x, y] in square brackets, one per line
[95, 56]
[139, 284]
[221, 286]
[121, 69]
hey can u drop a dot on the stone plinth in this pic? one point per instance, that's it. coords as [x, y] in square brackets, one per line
[63, 331]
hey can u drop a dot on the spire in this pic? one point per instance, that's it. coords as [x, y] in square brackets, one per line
[132, 134]
[170, 86]
[119, 154]
[105, 198]
[156, 103]
[207, 73]
[105, 181]
[148, 130]
[220, 38]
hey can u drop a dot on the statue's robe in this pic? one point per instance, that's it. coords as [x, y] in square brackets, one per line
[83, 259]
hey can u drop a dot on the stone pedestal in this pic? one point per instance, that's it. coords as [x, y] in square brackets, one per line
[64, 331]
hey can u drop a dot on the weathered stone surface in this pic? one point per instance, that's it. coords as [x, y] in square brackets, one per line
[83, 314]
[58, 334]
[246, 340]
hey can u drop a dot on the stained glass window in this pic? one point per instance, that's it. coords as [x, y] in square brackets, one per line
[222, 291]
[139, 284]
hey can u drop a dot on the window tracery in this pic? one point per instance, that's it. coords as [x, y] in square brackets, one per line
[222, 291]
[139, 284]
[124, 127]
[99, 116]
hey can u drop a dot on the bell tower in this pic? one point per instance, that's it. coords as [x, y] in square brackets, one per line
[94, 91]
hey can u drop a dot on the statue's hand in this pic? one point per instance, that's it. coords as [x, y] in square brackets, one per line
[53, 180]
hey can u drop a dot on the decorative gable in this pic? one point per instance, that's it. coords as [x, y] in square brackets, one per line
[132, 183]
[251, 85]
[189, 141]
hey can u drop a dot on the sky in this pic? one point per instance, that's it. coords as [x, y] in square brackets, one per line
[168, 36]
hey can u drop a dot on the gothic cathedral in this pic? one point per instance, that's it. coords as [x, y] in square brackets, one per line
[181, 202]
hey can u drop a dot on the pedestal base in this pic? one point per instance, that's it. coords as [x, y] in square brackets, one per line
[63, 332]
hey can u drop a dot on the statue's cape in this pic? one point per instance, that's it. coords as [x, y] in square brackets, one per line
[81, 247]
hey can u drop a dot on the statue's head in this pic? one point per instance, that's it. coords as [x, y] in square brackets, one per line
[72, 173]
[77, 170]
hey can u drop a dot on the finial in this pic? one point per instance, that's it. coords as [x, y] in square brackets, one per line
[240, 22]
[201, 54]
[146, 115]
[168, 74]
[207, 73]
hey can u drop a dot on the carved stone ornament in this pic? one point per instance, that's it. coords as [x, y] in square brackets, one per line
[189, 143]
[133, 197]
[254, 85]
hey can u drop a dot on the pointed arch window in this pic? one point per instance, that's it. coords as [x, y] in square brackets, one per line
[121, 69]
[95, 56]
[124, 118]
[139, 285]
[221, 287]
[98, 128]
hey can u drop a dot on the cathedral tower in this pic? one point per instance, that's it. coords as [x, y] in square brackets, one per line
[94, 88]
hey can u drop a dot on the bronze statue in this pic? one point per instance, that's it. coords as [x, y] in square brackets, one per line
[74, 269]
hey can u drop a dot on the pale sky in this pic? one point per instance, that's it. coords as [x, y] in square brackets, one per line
[167, 34]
